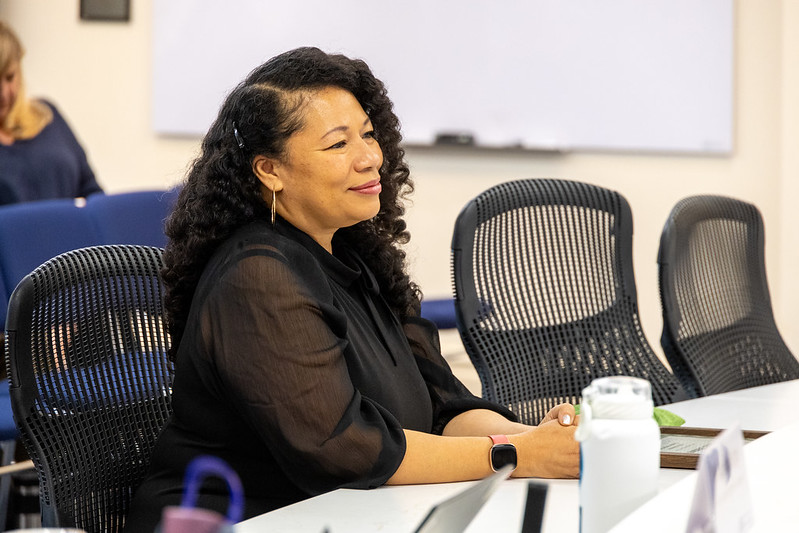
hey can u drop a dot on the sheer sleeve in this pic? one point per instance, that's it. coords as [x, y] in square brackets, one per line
[278, 343]
[450, 397]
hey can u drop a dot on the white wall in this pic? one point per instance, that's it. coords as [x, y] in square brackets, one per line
[99, 74]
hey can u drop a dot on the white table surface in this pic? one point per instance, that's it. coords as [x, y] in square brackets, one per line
[763, 408]
[401, 508]
[772, 468]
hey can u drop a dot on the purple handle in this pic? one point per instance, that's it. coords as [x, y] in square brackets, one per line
[204, 465]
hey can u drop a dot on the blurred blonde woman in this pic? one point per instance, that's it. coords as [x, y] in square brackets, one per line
[40, 157]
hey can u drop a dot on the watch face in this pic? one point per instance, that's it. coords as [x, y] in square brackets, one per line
[503, 454]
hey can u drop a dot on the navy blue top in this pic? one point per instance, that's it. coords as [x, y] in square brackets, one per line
[50, 165]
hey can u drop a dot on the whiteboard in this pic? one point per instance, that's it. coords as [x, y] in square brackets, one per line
[628, 75]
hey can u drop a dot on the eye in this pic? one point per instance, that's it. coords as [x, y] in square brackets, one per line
[340, 144]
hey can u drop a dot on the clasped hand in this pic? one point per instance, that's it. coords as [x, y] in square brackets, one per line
[549, 450]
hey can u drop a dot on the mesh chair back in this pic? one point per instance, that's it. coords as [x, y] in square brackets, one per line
[719, 332]
[545, 294]
[90, 380]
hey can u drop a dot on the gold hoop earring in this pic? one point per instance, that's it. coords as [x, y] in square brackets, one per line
[274, 203]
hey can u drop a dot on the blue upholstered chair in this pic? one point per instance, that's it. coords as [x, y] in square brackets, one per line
[31, 233]
[8, 430]
[34, 232]
[440, 311]
[8, 436]
[131, 218]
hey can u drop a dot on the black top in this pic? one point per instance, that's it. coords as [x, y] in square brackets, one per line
[50, 165]
[294, 370]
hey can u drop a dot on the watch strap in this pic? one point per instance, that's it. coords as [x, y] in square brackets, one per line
[499, 439]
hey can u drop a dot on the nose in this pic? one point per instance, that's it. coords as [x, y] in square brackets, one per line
[370, 156]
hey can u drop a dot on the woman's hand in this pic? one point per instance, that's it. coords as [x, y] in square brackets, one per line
[563, 413]
[548, 450]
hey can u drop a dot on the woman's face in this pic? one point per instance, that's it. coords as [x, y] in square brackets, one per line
[9, 88]
[329, 177]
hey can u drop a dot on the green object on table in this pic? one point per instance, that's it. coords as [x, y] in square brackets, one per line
[667, 418]
[661, 416]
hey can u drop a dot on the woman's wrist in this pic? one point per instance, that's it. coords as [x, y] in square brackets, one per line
[524, 456]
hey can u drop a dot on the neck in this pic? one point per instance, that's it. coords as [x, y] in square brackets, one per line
[322, 236]
[326, 243]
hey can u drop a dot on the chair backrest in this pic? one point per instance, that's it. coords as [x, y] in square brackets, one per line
[545, 294]
[719, 332]
[440, 311]
[86, 349]
[33, 232]
[132, 218]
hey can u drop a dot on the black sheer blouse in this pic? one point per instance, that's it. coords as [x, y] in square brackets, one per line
[294, 370]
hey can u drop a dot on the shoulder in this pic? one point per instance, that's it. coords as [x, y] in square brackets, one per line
[260, 238]
[257, 251]
[258, 269]
[52, 116]
[50, 106]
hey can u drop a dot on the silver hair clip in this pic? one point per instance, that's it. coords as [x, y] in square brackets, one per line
[238, 136]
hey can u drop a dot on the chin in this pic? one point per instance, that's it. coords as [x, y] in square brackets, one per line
[366, 215]
[371, 211]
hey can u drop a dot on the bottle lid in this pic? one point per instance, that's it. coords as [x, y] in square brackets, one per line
[619, 397]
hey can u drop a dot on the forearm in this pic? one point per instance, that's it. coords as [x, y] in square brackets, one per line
[439, 459]
[536, 449]
[481, 423]
[462, 452]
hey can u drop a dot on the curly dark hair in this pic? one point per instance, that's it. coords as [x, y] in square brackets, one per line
[221, 193]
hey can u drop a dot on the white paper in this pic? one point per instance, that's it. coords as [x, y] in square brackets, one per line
[722, 500]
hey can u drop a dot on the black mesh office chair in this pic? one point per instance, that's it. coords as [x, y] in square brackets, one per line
[90, 381]
[545, 294]
[719, 332]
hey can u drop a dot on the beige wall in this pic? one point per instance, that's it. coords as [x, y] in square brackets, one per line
[785, 287]
[99, 75]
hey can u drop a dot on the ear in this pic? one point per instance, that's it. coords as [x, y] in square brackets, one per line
[266, 170]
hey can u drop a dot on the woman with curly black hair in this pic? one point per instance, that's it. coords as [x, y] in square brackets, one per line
[301, 357]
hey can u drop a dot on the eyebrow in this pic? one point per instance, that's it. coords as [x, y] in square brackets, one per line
[344, 128]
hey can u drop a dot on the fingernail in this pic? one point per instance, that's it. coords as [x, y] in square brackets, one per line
[567, 419]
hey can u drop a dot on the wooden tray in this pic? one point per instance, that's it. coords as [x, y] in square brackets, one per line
[681, 446]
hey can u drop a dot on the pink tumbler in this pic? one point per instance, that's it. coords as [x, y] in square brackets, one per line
[190, 519]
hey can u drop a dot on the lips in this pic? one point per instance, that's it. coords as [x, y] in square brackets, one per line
[370, 187]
